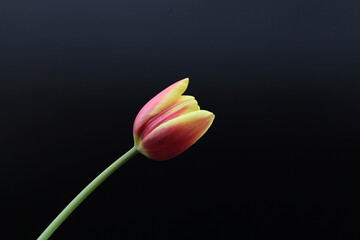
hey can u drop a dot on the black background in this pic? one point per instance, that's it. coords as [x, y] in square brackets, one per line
[279, 161]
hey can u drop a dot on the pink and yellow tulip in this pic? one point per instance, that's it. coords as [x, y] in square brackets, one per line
[165, 127]
[170, 123]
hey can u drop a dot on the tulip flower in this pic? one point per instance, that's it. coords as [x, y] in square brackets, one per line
[170, 123]
[165, 127]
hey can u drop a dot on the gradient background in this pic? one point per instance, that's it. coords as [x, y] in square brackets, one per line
[280, 160]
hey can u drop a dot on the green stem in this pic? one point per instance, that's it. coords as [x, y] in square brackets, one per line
[86, 192]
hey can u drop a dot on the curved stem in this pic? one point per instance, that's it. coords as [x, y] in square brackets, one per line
[85, 193]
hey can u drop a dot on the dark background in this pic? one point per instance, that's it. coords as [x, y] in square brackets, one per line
[279, 161]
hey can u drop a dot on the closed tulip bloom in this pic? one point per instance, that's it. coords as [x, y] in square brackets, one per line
[170, 123]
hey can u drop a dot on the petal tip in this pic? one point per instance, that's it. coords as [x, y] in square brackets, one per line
[207, 113]
[185, 81]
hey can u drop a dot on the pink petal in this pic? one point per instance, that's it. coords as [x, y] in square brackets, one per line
[161, 101]
[176, 135]
[184, 105]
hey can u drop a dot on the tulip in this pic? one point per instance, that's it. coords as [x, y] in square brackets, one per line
[165, 127]
[170, 123]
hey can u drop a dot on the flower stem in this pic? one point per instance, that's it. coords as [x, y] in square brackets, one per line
[85, 193]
